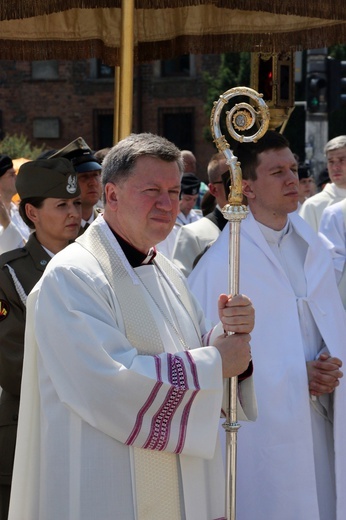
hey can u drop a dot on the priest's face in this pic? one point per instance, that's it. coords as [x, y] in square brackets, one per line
[275, 192]
[336, 162]
[142, 209]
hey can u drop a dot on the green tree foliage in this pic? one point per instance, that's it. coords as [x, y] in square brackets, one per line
[234, 71]
[338, 52]
[17, 146]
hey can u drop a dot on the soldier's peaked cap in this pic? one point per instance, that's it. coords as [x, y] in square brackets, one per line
[80, 155]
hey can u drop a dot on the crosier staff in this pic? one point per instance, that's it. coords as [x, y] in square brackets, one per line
[241, 117]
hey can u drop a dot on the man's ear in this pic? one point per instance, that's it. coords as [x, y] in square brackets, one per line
[212, 188]
[111, 195]
[247, 189]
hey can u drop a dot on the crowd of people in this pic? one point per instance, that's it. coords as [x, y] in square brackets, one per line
[117, 333]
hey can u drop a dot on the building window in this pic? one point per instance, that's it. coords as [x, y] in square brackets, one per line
[103, 128]
[104, 71]
[182, 67]
[179, 66]
[177, 125]
[99, 70]
[47, 70]
[46, 128]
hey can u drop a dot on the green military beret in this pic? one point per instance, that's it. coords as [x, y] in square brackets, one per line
[54, 178]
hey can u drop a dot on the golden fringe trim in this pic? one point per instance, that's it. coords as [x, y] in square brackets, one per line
[146, 52]
[325, 9]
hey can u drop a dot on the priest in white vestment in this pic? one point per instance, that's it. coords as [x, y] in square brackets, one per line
[122, 385]
[333, 227]
[333, 192]
[291, 462]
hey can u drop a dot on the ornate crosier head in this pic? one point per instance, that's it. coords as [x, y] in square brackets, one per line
[239, 120]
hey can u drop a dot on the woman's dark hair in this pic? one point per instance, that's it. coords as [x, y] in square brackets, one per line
[34, 201]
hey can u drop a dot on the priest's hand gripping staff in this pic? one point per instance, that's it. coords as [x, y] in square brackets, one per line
[241, 118]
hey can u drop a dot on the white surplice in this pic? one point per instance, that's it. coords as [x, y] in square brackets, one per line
[333, 227]
[91, 400]
[311, 210]
[16, 233]
[277, 455]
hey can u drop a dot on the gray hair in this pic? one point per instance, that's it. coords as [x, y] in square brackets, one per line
[120, 161]
[335, 143]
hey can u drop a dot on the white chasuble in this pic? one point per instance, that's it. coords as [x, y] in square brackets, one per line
[120, 402]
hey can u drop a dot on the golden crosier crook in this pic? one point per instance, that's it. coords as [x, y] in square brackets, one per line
[241, 117]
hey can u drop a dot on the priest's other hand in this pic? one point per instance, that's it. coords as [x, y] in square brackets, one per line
[236, 313]
[324, 374]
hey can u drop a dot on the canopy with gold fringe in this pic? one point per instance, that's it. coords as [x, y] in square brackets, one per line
[79, 29]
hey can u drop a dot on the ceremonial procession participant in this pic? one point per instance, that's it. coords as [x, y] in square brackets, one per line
[88, 169]
[50, 205]
[189, 190]
[289, 464]
[13, 231]
[190, 166]
[306, 184]
[333, 192]
[122, 386]
[333, 227]
[193, 238]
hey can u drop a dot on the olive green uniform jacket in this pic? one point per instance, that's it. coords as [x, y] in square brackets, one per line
[26, 265]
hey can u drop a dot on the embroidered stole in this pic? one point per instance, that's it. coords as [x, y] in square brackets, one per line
[156, 473]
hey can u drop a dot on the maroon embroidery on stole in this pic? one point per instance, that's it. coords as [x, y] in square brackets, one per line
[206, 337]
[139, 420]
[186, 413]
[161, 423]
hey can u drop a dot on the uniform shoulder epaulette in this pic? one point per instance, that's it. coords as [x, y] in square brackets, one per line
[9, 256]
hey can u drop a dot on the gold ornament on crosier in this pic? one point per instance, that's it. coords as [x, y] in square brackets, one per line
[241, 118]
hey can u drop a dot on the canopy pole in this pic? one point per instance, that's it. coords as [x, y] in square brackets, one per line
[126, 68]
[116, 119]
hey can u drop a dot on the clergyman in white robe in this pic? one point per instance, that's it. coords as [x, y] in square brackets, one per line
[333, 227]
[312, 209]
[117, 365]
[289, 465]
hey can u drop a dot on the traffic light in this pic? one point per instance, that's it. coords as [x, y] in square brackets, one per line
[316, 85]
[336, 84]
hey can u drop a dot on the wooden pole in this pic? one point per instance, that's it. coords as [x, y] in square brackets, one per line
[126, 68]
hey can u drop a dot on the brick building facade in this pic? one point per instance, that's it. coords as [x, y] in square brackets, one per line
[54, 102]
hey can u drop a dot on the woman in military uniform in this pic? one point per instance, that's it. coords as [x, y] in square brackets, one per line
[50, 205]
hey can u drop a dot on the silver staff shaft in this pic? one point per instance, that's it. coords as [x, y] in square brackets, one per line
[231, 426]
[242, 117]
